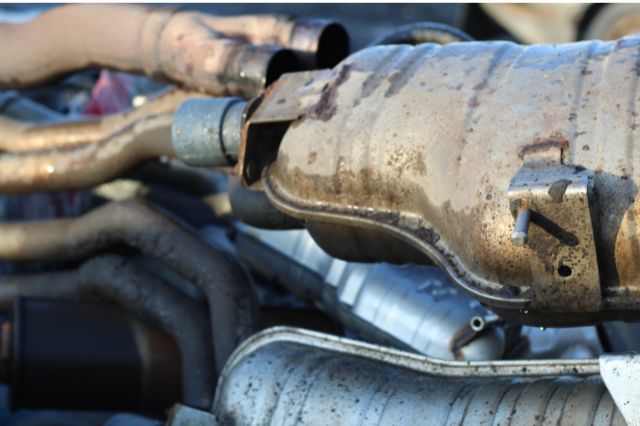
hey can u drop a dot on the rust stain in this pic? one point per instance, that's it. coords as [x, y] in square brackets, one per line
[370, 85]
[406, 70]
[469, 230]
[459, 340]
[326, 106]
[540, 145]
[419, 164]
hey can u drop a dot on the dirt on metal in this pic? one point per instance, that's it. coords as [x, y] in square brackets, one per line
[423, 142]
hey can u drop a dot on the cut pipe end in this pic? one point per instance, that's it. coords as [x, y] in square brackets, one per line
[252, 68]
[320, 43]
[282, 61]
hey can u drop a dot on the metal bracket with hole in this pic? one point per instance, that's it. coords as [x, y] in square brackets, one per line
[551, 206]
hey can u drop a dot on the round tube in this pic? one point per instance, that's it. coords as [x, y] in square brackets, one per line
[231, 297]
[161, 43]
[19, 136]
[86, 165]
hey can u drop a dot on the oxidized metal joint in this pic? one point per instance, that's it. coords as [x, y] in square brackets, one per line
[207, 132]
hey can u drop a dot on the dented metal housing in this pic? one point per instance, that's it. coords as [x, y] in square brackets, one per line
[430, 145]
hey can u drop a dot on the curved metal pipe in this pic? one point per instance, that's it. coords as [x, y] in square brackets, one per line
[227, 287]
[423, 32]
[122, 281]
[161, 43]
[16, 106]
[253, 208]
[86, 165]
[19, 136]
[320, 43]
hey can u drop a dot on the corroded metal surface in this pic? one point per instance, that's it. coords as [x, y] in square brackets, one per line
[423, 142]
[86, 165]
[18, 136]
[565, 263]
[318, 43]
[292, 376]
[137, 225]
[415, 362]
[178, 46]
[207, 132]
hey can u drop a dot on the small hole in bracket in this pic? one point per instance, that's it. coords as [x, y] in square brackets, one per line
[564, 271]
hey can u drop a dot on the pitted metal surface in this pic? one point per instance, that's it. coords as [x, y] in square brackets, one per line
[423, 143]
[291, 376]
[565, 263]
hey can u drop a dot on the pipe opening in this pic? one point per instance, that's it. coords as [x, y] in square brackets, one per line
[333, 46]
[281, 62]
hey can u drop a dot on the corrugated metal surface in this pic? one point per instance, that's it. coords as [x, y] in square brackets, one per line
[292, 378]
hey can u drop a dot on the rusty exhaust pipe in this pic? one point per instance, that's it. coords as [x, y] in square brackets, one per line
[319, 43]
[86, 165]
[18, 136]
[174, 46]
[229, 292]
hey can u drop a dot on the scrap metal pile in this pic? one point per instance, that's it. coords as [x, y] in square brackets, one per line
[259, 228]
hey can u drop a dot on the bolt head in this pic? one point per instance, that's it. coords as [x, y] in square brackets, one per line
[519, 238]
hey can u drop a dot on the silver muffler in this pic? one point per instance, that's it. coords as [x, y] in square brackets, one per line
[412, 307]
[286, 376]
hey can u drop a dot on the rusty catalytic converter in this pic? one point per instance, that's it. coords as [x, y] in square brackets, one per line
[514, 168]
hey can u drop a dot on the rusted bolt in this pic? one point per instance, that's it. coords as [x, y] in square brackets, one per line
[519, 236]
